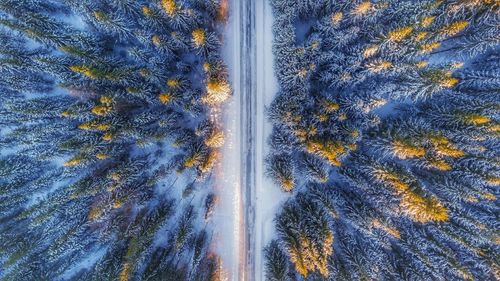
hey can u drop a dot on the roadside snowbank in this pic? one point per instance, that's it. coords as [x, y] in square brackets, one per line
[269, 197]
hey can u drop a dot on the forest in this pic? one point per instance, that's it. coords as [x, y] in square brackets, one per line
[105, 105]
[129, 152]
[386, 134]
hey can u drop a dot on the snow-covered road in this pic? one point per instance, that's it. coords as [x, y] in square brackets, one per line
[247, 199]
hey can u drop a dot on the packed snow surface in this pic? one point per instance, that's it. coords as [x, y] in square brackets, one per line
[248, 200]
[227, 219]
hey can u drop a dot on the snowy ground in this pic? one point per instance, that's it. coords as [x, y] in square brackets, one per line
[228, 219]
[248, 200]
[268, 196]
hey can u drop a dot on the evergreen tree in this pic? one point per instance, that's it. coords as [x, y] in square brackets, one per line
[388, 113]
[99, 108]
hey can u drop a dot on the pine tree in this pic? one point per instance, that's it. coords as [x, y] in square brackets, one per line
[390, 125]
[99, 107]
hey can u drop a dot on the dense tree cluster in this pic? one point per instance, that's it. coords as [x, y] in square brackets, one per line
[386, 132]
[105, 113]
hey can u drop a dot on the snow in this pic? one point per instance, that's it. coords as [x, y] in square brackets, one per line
[269, 197]
[248, 200]
[73, 20]
[227, 219]
[91, 259]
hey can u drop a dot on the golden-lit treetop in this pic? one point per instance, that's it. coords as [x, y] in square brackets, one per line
[454, 28]
[336, 18]
[418, 207]
[362, 9]
[169, 6]
[404, 150]
[218, 91]
[309, 256]
[399, 34]
[198, 37]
